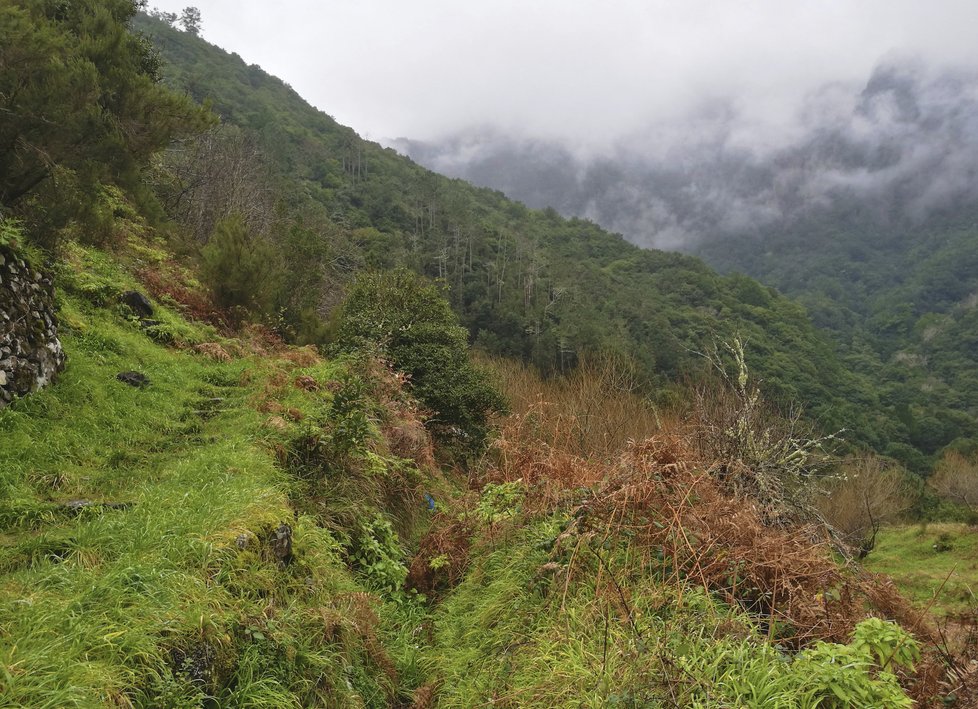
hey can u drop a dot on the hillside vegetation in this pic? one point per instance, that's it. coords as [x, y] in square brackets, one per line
[900, 297]
[284, 479]
[252, 528]
[863, 212]
[526, 284]
[152, 553]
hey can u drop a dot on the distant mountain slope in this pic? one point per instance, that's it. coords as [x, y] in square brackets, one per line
[902, 301]
[904, 145]
[867, 214]
[526, 283]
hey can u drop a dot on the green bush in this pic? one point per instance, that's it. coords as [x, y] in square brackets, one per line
[241, 269]
[379, 557]
[407, 320]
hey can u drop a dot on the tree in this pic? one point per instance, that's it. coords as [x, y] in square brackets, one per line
[190, 19]
[869, 491]
[213, 175]
[169, 18]
[956, 478]
[408, 320]
[82, 106]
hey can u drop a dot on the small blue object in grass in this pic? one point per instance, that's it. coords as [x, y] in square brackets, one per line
[430, 500]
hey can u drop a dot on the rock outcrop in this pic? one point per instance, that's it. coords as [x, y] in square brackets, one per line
[30, 352]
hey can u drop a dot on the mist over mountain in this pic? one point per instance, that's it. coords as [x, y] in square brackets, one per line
[897, 148]
[863, 207]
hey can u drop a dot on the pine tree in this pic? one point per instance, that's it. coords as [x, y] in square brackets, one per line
[82, 106]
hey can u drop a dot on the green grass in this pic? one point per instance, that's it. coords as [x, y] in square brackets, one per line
[172, 598]
[170, 594]
[516, 633]
[911, 555]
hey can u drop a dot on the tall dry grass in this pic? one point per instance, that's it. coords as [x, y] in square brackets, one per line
[699, 484]
[692, 491]
[591, 413]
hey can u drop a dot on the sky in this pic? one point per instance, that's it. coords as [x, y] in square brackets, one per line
[582, 72]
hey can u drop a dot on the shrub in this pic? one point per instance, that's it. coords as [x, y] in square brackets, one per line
[408, 321]
[956, 478]
[379, 557]
[869, 492]
[757, 451]
[241, 269]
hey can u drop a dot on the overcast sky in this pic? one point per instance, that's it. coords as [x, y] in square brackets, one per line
[582, 71]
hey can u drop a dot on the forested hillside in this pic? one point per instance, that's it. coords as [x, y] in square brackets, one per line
[900, 297]
[250, 457]
[864, 211]
[526, 283]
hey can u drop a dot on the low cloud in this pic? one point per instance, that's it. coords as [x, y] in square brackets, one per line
[902, 143]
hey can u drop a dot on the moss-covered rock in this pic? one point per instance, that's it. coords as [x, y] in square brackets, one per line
[30, 351]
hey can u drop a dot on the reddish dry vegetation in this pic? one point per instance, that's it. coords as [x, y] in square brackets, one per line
[684, 522]
[166, 285]
[670, 508]
[448, 540]
[213, 351]
[170, 283]
[306, 383]
[402, 421]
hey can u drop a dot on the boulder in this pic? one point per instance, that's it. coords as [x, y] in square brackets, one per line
[138, 303]
[133, 379]
[76, 506]
[280, 545]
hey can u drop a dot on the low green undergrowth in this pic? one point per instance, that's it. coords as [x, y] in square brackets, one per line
[935, 564]
[518, 632]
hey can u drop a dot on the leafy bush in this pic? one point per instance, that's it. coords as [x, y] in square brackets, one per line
[858, 674]
[409, 322]
[379, 557]
[500, 501]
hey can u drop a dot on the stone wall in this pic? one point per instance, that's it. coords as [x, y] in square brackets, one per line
[30, 352]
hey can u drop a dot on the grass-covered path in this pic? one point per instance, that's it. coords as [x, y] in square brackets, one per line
[138, 564]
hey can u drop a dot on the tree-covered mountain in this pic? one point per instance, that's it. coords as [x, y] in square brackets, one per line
[901, 299]
[527, 284]
[195, 512]
[864, 211]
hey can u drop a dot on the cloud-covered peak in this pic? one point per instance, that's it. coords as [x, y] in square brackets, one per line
[903, 142]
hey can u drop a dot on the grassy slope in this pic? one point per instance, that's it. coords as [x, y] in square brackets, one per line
[578, 592]
[177, 600]
[518, 632]
[175, 597]
[928, 560]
